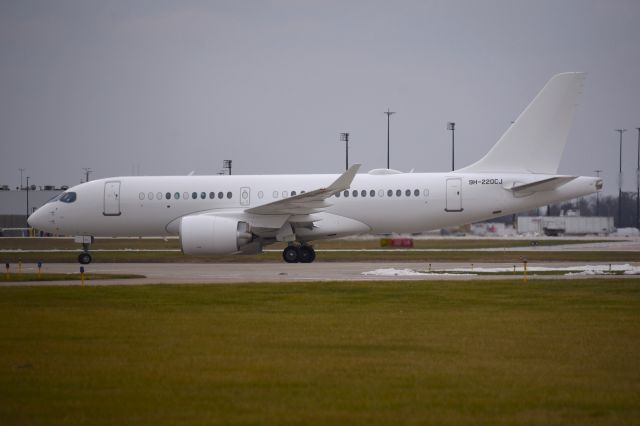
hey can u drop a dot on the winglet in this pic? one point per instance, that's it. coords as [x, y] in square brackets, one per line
[345, 179]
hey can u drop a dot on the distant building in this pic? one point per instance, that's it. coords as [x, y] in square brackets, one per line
[13, 204]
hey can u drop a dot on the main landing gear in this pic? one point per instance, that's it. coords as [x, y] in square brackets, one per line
[295, 253]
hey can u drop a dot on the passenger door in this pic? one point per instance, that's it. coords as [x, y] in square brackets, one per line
[454, 195]
[112, 198]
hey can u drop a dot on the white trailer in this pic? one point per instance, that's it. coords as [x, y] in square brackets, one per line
[565, 225]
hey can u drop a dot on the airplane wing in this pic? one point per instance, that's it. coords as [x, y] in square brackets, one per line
[308, 202]
[548, 184]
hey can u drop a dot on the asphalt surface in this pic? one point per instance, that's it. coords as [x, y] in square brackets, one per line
[189, 273]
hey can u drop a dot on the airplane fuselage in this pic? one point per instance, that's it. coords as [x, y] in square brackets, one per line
[402, 202]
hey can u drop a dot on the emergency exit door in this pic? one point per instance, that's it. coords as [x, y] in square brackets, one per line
[454, 195]
[245, 196]
[112, 198]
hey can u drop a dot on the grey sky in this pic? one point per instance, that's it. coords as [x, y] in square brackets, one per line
[171, 87]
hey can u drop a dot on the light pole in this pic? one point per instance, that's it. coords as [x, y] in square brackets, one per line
[621, 131]
[27, 196]
[597, 172]
[638, 184]
[452, 126]
[87, 172]
[226, 164]
[21, 170]
[389, 113]
[344, 137]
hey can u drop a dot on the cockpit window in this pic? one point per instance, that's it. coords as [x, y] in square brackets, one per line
[68, 197]
[56, 198]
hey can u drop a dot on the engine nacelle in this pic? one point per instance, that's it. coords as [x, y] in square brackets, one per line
[203, 234]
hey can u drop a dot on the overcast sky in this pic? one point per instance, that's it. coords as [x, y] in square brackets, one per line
[169, 87]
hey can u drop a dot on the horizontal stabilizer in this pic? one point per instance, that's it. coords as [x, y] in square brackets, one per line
[542, 185]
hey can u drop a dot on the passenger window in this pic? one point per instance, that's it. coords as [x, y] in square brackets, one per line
[416, 192]
[407, 193]
[426, 192]
[275, 194]
[168, 195]
[212, 195]
[176, 195]
[380, 193]
[185, 195]
[354, 193]
[141, 195]
[372, 193]
[260, 194]
[150, 195]
[229, 195]
[293, 193]
[346, 194]
[220, 195]
[389, 193]
[203, 195]
[363, 193]
[337, 195]
[285, 194]
[159, 195]
[398, 193]
[194, 195]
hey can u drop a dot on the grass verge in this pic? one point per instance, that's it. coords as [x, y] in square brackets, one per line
[31, 276]
[349, 256]
[490, 352]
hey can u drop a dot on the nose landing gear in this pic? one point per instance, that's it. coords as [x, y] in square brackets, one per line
[84, 258]
[295, 253]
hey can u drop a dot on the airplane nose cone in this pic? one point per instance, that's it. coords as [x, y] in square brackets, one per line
[37, 219]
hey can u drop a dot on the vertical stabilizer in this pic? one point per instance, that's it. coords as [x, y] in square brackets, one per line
[535, 141]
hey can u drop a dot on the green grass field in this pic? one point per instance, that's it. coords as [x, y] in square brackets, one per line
[375, 353]
[121, 254]
[48, 276]
[347, 256]
[174, 243]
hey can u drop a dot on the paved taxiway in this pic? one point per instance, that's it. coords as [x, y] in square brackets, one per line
[217, 273]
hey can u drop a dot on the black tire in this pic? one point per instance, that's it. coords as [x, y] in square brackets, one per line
[291, 254]
[84, 258]
[307, 254]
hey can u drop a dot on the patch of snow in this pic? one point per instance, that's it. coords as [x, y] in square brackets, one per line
[392, 272]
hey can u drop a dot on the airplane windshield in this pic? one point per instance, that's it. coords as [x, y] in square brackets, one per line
[56, 198]
[68, 197]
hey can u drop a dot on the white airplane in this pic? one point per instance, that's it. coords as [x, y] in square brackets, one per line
[217, 215]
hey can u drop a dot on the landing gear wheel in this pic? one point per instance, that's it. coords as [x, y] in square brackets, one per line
[291, 254]
[84, 258]
[306, 254]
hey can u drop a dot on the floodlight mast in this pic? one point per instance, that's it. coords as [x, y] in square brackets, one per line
[597, 172]
[620, 131]
[452, 126]
[344, 137]
[389, 114]
[226, 164]
[638, 184]
[87, 172]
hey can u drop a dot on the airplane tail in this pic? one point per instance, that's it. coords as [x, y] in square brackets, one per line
[535, 141]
